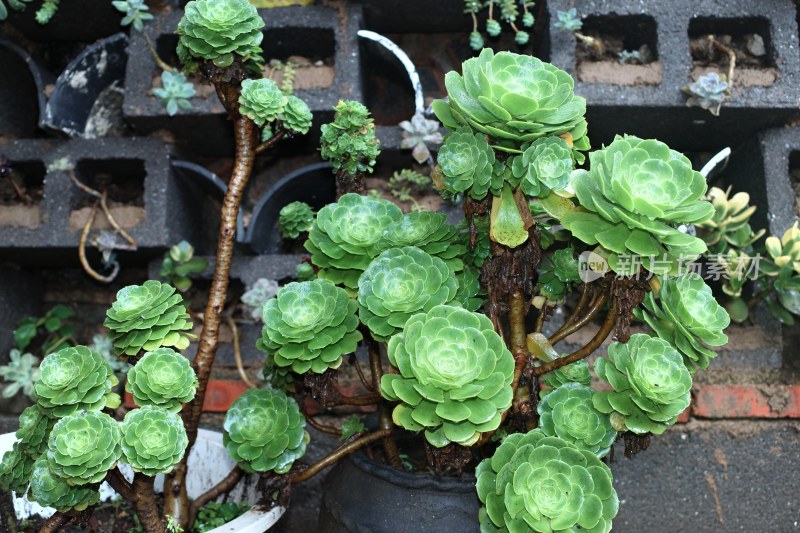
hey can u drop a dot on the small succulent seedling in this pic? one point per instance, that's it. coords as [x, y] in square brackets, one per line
[179, 264]
[568, 20]
[175, 92]
[261, 291]
[710, 91]
[136, 14]
[418, 133]
[630, 57]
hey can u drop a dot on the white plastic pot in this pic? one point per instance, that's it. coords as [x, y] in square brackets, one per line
[208, 464]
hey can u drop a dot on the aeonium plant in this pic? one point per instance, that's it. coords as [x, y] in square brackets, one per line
[477, 380]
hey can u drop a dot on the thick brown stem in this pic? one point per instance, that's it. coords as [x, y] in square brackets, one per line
[223, 487]
[384, 417]
[146, 507]
[346, 183]
[55, 523]
[176, 501]
[121, 485]
[519, 347]
[608, 326]
[371, 398]
[339, 454]
[319, 426]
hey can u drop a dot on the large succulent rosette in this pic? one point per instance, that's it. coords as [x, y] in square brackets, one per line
[146, 317]
[75, 378]
[153, 440]
[50, 490]
[632, 201]
[399, 283]
[264, 431]
[309, 326]
[455, 376]
[348, 235]
[650, 385]
[513, 97]
[687, 316]
[162, 378]
[261, 100]
[83, 447]
[429, 231]
[545, 484]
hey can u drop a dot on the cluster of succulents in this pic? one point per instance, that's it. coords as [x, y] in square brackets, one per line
[650, 385]
[146, 317]
[295, 219]
[349, 142]
[264, 431]
[730, 223]
[687, 316]
[455, 372]
[632, 200]
[309, 326]
[535, 482]
[220, 31]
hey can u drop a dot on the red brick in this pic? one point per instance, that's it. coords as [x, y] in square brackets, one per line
[746, 401]
[684, 416]
[220, 394]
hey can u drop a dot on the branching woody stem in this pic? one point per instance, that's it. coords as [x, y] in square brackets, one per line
[146, 506]
[608, 326]
[569, 329]
[339, 454]
[120, 484]
[55, 523]
[224, 486]
[384, 418]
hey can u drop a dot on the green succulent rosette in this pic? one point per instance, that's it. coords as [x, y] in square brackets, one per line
[16, 469]
[429, 231]
[348, 235]
[309, 326]
[557, 273]
[75, 378]
[688, 317]
[349, 142]
[261, 100]
[162, 378]
[294, 219]
[296, 116]
[543, 166]
[650, 383]
[633, 200]
[153, 440]
[569, 414]
[50, 490]
[535, 482]
[577, 372]
[466, 160]
[512, 97]
[34, 429]
[220, 31]
[468, 294]
[264, 431]
[399, 283]
[455, 376]
[83, 447]
[146, 317]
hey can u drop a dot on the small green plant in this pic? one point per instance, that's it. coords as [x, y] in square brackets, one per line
[43, 15]
[213, 515]
[295, 219]
[175, 92]
[349, 143]
[630, 57]
[48, 333]
[709, 92]
[21, 372]
[136, 14]
[179, 264]
[568, 20]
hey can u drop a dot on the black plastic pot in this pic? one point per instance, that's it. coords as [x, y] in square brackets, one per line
[361, 496]
[22, 88]
[312, 184]
[77, 88]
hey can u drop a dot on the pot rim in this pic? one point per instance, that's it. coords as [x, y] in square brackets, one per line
[463, 484]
